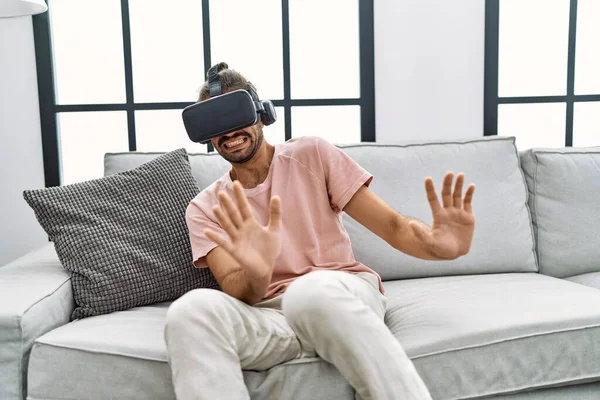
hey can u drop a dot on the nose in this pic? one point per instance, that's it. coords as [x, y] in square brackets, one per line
[231, 135]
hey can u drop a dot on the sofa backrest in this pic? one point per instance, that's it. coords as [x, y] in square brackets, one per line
[503, 240]
[564, 197]
[206, 168]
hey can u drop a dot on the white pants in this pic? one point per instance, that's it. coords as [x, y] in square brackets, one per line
[338, 316]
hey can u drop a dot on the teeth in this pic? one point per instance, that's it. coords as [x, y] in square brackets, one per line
[239, 141]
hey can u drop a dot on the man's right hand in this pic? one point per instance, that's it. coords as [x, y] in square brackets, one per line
[254, 246]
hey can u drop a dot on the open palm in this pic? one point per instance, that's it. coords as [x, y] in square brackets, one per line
[254, 246]
[451, 234]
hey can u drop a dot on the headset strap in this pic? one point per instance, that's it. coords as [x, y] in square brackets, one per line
[214, 84]
[260, 108]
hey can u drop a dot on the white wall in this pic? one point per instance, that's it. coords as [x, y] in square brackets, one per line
[21, 164]
[429, 69]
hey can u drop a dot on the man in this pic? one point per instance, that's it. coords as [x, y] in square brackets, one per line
[270, 231]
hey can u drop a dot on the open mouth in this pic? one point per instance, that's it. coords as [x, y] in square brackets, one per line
[235, 144]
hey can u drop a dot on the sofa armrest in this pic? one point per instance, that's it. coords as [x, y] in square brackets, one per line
[35, 297]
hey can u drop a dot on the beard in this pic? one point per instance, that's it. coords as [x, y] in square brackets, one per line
[243, 155]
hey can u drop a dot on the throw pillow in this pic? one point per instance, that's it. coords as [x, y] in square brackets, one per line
[123, 237]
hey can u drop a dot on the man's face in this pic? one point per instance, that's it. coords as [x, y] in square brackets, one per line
[240, 146]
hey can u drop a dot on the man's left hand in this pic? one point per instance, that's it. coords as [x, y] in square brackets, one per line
[453, 222]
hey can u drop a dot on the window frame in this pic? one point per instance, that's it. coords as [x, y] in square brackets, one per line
[49, 109]
[491, 98]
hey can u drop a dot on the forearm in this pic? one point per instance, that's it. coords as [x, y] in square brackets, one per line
[404, 239]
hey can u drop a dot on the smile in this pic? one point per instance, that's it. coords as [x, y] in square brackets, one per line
[235, 144]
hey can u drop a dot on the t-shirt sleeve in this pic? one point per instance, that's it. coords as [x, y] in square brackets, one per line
[343, 175]
[197, 220]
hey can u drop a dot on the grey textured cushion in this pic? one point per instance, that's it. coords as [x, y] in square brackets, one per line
[123, 355]
[564, 188]
[35, 298]
[482, 335]
[123, 238]
[503, 239]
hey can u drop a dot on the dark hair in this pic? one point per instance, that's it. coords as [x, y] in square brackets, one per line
[230, 80]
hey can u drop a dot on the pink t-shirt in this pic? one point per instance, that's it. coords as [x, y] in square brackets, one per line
[315, 180]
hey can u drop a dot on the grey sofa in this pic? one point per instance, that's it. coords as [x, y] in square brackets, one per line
[517, 318]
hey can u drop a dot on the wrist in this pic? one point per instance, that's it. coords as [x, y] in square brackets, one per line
[408, 242]
[261, 273]
[403, 235]
[258, 280]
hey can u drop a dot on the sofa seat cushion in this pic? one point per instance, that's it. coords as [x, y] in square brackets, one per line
[495, 334]
[591, 279]
[468, 336]
[123, 355]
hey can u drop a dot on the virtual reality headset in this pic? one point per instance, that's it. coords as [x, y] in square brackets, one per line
[225, 113]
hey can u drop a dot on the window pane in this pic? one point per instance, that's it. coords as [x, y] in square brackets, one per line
[587, 50]
[162, 131]
[88, 51]
[84, 139]
[586, 124]
[167, 50]
[337, 124]
[324, 38]
[275, 133]
[533, 125]
[249, 41]
[533, 47]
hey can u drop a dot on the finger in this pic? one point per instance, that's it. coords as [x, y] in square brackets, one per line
[231, 209]
[447, 190]
[458, 187]
[432, 196]
[469, 198]
[225, 222]
[242, 201]
[219, 239]
[275, 213]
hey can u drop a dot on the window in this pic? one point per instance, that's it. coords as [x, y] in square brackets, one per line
[541, 72]
[114, 75]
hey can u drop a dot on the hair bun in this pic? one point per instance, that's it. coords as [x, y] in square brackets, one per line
[218, 68]
[221, 66]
